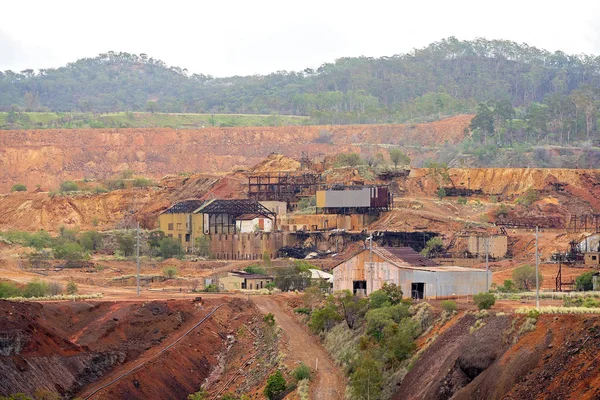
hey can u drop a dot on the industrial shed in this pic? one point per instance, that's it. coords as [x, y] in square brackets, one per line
[419, 277]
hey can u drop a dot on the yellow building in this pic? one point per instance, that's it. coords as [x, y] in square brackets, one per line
[181, 223]
[240, 280]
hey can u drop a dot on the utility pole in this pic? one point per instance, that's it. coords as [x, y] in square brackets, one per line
[137, 256]
[487, 267]
[537, 270]
[370, 239]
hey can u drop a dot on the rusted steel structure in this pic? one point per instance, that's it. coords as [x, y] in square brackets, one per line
[354, 199]
[283, 186]
[584, 223]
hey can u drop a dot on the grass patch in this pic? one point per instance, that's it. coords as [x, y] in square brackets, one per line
[559, 310]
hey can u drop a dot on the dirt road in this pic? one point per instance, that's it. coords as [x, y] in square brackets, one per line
[329, 382]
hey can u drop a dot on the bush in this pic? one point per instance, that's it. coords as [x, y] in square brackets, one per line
[255, 269]
[435, 245]
[126, 244]
[324, 319]
[348, 160]
[484, 301]
[9, 289]
[276, 385]
[366, 380]
[585, 282]
[142, 182]
[116, 184]
[169, 247]
[69, 251]
[91, 241]
[325, 137]
[528, 198]
[524, 277]
[461, 200]
[170, 272]
[378, 299]
[303, 310]
[211, 288]
[201, 394]
[71, 287]
[55, 288]
[502, 210]
[68, 186]
[301, 372]
[508, 286]
[449, 305]
[269, 319]
[18, 187]
[36, 288]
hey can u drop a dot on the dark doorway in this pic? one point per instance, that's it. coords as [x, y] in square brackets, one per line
[418, 290]
[359, 287]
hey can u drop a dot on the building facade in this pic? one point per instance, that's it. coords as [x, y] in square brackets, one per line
[417, 276]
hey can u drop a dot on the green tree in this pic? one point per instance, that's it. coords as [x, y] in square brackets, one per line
[397, 156]
[276, 385]
[441, 193]
[393, 291]
[91, 240]
[366, 381]
[324, 319]
[69, 251]
[349, 160]
[36, 288]
[524, 277]
[9, 289]
[169, 248]
[126, 244]
[201, 394]
[255, 269]
[68, 186]
[18, 187]
[170, 272]
[484, 300]
[585, 281]
[352, 307]
[71, 287]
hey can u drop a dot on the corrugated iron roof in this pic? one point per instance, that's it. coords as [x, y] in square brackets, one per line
[184, 207]
[235, 207]
[408, 255]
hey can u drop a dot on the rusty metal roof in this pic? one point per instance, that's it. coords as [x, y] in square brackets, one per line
[406, 255]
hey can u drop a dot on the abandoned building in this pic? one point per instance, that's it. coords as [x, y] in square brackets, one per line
[285, 187]
[354, 200]
[241, 229]
[419, 277]
[182, 223]
[240, 280]
[495, 245]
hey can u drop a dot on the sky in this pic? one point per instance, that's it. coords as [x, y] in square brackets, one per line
[231, 37]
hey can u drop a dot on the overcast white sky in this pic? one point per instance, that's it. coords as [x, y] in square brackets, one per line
[224, 38]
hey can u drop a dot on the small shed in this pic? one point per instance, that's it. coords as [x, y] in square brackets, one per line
[591, 258]
[418, 276]
[240, 280]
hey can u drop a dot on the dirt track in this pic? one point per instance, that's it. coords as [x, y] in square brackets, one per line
[302, 347]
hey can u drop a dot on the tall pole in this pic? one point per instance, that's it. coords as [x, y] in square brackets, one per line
[370, 261]
[137, 256]
[487, 267]
[537, 272]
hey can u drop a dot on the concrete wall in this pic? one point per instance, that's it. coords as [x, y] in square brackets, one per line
[591, 258]
[278, 207]
[230, 283]
[178, 227]
[498, 245]
[254, 225]
[247, 246]
[354, 222]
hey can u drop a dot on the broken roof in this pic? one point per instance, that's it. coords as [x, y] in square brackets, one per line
[184, 207]
[404, 254]
[243, 274]
[235, 207]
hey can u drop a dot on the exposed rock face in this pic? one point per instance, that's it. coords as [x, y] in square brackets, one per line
[47, 157]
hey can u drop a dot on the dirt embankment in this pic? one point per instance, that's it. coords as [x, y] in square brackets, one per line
[558, 359]
[62, 347]
[47, 157]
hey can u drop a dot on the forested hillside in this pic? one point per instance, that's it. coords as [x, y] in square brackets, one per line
[447, 77]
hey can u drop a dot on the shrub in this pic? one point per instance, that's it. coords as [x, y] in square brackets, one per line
[116, 184]
[529, 197]
[71, 287]
[367, 379]
[484, 300]
[324, 319]
[255, 269]
[585, 282]
[502, 210]
[435, 245]
[68, 186]
[441, 193]
[9, 289]
[69, 251]
[211, 288]
[201, 394]
[397, 156]
[142, 182]
[55, 288]
[170, 272]
[524, 277]
[36, 288]
[303, 310]
[269, 319]
[169, 247]
[126, 244]
[276, 385]
[378, 299]
[18, 187]
[91, 240]
[324, 137]
[301, 372]
[449, 305]
[461, 200]
[508, 286]
[348, 160]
